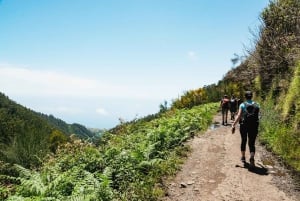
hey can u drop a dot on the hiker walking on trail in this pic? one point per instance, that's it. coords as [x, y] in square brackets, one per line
[248, 117]
[225, 107]
[233, 107]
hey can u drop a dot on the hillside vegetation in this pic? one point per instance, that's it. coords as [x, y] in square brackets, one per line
[271, 70]
[27, 136]
[274, 77]
[130, 161]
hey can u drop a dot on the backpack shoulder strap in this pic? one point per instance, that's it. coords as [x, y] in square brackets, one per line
[245, 104]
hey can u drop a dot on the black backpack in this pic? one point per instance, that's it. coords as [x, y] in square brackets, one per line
[225, 103]
[233, 103]
[251, 114]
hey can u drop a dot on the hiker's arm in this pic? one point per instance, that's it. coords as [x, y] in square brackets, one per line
[237, 118]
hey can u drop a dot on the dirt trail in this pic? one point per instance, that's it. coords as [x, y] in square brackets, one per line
[213, 172]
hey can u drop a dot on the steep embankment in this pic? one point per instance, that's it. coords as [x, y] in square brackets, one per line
[213, 171]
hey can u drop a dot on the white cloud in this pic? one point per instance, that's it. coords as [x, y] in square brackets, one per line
[27, 82]
[192, 55]
[33, 82]
[77, 98]
[101, 111]
[46, 83]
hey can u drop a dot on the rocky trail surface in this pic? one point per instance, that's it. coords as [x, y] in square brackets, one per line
[213, 171]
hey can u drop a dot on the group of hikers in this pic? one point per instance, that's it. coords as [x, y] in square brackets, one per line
[247, 115]
[231, 105]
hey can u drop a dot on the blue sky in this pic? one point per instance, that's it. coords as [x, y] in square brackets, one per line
[95, 61]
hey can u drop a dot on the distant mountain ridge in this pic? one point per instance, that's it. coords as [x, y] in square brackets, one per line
[75, 128]
[24, 131]
[68, 129]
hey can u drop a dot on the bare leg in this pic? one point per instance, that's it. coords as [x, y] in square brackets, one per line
[226, 114]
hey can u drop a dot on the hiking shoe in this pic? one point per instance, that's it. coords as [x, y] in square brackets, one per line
[252, 161]
[243, 159]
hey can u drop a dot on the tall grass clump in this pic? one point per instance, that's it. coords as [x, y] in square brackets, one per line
[291, 104]
[279, 135]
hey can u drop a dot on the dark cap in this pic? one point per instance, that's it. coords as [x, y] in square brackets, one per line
[248, 94]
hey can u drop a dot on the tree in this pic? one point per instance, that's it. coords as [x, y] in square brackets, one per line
[163, 107]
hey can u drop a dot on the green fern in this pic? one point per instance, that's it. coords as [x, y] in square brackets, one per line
[126, 167]
[31, 182]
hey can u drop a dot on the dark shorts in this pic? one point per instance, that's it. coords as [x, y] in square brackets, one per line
[233, 109]
[224, 110]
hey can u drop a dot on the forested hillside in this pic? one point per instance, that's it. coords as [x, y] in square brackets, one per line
[80, 130]
[26, 136]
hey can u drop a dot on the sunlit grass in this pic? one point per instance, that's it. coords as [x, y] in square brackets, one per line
[279, 135]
